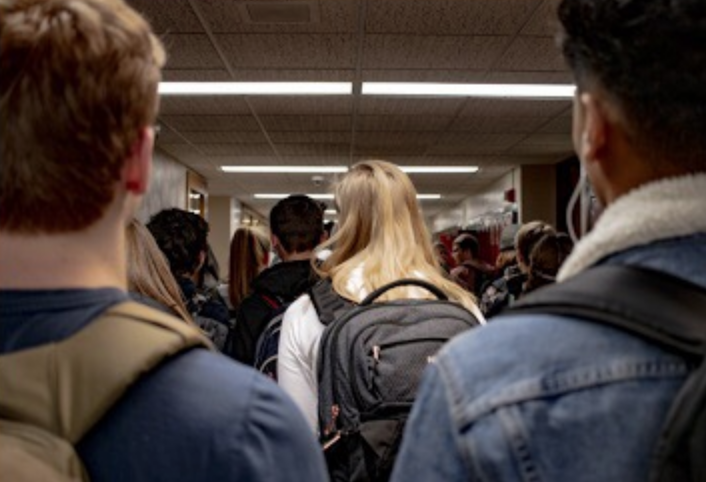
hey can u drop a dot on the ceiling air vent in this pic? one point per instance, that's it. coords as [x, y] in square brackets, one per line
[291, 12]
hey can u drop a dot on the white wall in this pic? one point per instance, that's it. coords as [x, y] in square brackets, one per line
[223, 218]
[167, 186]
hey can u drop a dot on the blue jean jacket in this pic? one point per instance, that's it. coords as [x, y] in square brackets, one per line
[548, 398]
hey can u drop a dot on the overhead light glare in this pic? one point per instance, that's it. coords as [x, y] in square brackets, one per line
[255, 88]
[425, 197]
[523, 91]
[286, 169]
[343, 169]
[439, 169]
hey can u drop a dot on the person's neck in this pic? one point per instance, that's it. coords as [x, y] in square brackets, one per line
[90, 258]
[297, 256]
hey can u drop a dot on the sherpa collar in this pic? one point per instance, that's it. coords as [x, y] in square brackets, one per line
[659, 210]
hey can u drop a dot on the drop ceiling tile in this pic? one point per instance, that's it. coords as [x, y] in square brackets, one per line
[386, 151]
[559, 125]
[456, 143]
[195, 75]
[417, 52]
[297, 75]
[544, 20]
[403, 123]
[333, 16]
[520, 77]
[513, 108]
[293, 51]
[209, 123]
[314, 150]
[341, 159]
[417, 106]
[229, 137]
[395, 139]
[424, 75]
[498, 125]
[309, 105]
[168, 16]
[168, 136]
[449, 17]
[183, 152]
[532, 53]
[191, 51]
[235, 150]
[553, 140]
[202, 105]
[310, 137]
[306, 122]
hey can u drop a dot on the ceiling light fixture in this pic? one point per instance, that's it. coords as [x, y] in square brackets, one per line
[255, 88]
[525, 91]
[343, 169]
[285, 169]
[329, 197]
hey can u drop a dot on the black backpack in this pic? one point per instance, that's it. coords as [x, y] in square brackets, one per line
[371, 359]
[267, 348]
[665, 310]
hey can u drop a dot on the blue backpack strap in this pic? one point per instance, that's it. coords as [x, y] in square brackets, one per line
[329, 305]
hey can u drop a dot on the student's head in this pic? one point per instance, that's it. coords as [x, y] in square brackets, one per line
[296, 223]
[545, 259]
[526, 238]
[382, 230]
[148, 271]
[78, 97]
[640, 68]
[183, 238]
[249, 251]
[465, 248]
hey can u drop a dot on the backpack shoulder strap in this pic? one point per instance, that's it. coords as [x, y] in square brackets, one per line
[660, 307]
[66, 387]
[329, 305]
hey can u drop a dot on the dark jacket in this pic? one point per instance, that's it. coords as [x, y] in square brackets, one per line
[208, 311]
[273, 290]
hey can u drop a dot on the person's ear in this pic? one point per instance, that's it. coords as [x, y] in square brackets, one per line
[138, 165]
[594, 127]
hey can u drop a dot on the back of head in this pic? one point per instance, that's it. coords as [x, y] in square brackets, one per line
[547, 256]
[183, 237]
[526, 238]
[467, 242]
[297, 222]
[249, 249]
[79, 83]
[381, 229]
[650, 57]
[148, 270]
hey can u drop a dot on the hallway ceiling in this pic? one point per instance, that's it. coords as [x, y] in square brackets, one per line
[444, 41]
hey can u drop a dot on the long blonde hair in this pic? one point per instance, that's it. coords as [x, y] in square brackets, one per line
[249, 249]
[381, 229]
[148, 271]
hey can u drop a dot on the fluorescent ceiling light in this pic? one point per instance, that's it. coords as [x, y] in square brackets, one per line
[439, 169]
[255, 88]
[285, 169]
[529, 91]
[331, 211]
[330, 196]
[343, 169]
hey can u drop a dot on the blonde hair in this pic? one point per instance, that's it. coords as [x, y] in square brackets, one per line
[249, 249]
[78, 86]
[381, 229]
[148, 271]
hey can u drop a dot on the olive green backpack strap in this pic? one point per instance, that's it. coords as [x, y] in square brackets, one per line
[60, 390]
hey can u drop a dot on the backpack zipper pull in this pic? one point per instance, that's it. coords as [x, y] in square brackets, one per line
[376, 353]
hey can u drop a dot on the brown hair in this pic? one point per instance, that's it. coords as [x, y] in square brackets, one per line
[526, 237]
[547, 256]
[249, 249]
[148, 271]
[79, 83]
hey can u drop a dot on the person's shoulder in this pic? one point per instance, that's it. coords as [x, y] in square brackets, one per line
[202, 399]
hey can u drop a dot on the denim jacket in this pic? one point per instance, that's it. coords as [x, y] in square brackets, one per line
[548, 398]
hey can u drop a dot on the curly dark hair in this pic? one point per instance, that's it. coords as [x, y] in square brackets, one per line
[298, 223]
[181, 236]
[650, 57]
